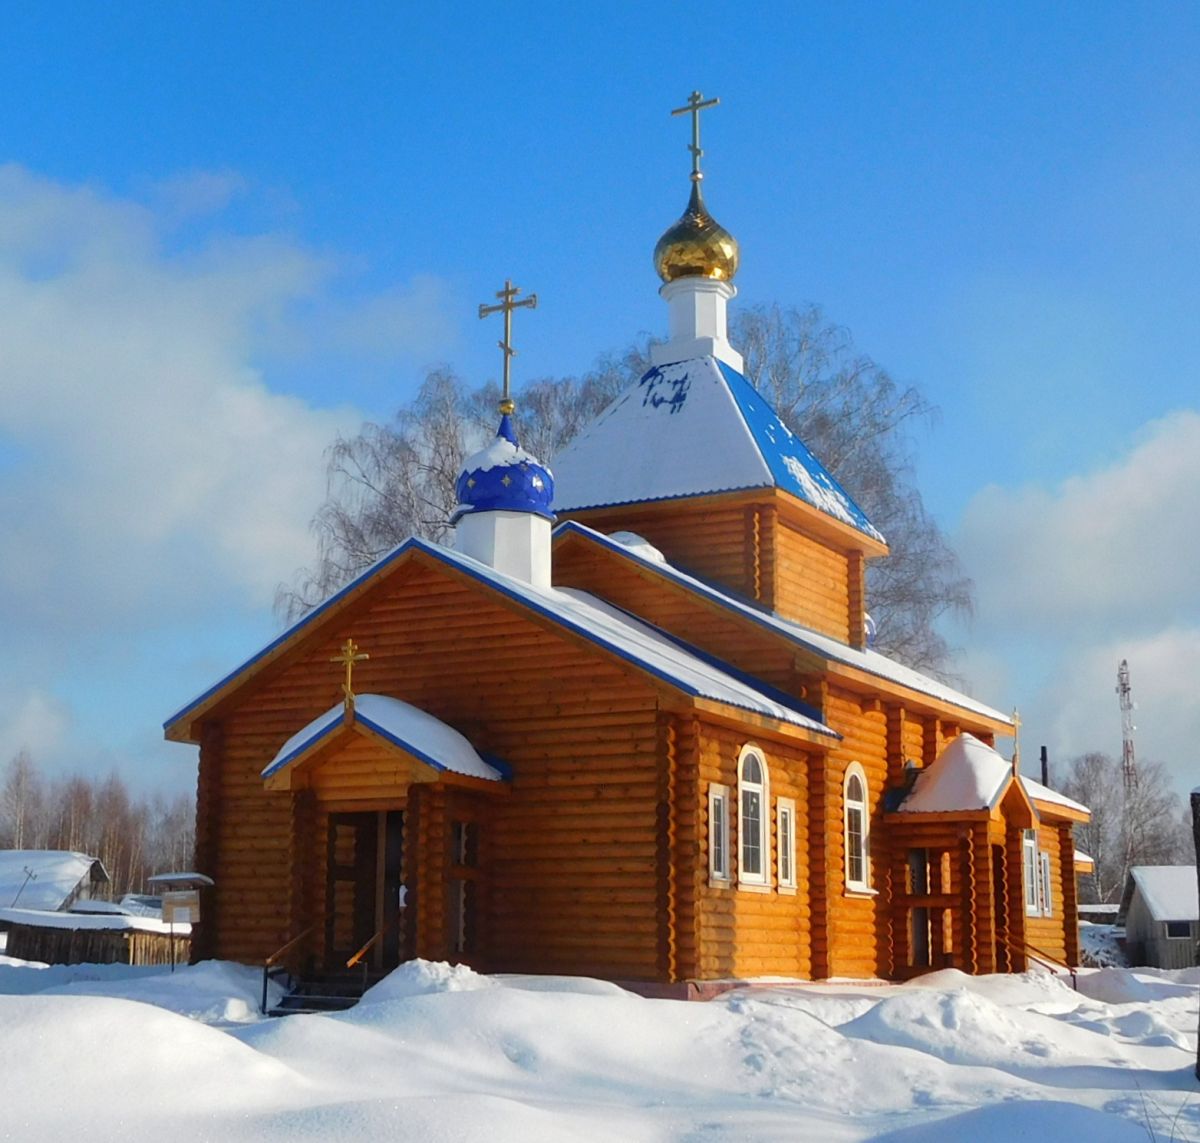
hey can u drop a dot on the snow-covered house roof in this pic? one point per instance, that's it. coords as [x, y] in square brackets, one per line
[966, 775]
[688, 429]
[636, 642]
[413, 730]
[635, 549]
[58, 877]
[1040, 793]
[1169, 891]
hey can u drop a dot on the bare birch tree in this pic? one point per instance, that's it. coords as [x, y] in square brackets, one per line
[392, 481]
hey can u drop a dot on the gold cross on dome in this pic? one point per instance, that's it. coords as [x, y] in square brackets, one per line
[506, 305]
[349, 656]
[695, 104]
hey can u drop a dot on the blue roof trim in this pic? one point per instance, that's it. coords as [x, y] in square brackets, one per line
[376, 568]
[326, 732]
[764, 688]
[591, 636]
[339, 724]
[751, 611]
[446, 558]
[778, 444]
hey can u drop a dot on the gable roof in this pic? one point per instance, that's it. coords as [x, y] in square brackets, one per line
[872, 662]
[416, 731]
[1040, 793]
[693, 428]
[585, 615]
[1170, 891]
[966, 775]
[57, 874]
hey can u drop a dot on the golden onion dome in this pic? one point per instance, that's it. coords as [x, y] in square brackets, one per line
[697, 246]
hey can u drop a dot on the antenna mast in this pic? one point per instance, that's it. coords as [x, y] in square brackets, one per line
[1128, 761]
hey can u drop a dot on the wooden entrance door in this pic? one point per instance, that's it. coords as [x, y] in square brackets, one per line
[365, 872]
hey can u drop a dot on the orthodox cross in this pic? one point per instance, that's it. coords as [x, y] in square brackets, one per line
[1016, 724]
[695, 104]
[506, 305]
[349, 656]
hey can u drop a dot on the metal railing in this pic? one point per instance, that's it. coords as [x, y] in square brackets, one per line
[271, 964]
[1030, 950]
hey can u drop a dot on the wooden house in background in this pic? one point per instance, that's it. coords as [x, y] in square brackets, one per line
[1160, 909]
[651, 744]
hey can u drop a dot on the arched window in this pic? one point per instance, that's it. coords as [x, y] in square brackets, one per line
[753, 823]
[857, 822]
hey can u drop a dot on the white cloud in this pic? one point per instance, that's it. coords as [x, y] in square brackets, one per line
[1073, 579]
[1118, 546]
[31, 720]
[152, 476]
[153, 463]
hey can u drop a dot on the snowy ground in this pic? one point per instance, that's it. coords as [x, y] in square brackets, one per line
[438, 1054]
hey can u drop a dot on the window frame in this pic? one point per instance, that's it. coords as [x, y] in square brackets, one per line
[861, 884]
[1047, 889]
[785, 843]
[1186, 936]
[760, 879]
[719, 874]
[1031, 873]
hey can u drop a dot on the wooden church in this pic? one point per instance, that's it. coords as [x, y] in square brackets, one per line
[630, 725]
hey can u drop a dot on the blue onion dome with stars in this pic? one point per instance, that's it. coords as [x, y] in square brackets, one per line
[504, 477]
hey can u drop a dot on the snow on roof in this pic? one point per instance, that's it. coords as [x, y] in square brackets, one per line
[113, 922]
[1082, 858]
[622, 634]
[420, 733]
[872, 662]
[185, 879]
[1041, 793]
[644, 645]
[56, 875]
[687, 429]
[1170, 891]
[967, 775]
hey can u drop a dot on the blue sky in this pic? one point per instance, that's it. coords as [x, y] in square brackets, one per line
[229, 232]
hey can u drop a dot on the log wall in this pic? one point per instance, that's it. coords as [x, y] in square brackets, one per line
[857, 931]
[574, 842]
[746, 546]
[745, 931]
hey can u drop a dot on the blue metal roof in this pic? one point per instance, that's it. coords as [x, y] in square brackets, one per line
[793, 466]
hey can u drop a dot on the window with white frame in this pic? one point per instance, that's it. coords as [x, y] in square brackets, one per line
[753, 826]
[785, 836]
[1047, 901]
[1032, 868]
[718, 833]
[857, 828]
[1178, 930]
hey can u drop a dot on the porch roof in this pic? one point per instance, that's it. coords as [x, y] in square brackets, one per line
[414, 730]
[967, 775]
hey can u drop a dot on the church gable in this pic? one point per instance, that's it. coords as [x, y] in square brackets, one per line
[781, 652]
[695, 428]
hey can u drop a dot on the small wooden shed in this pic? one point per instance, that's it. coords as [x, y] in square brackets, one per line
[1160, 909]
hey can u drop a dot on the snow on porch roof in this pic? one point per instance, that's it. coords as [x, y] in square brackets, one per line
[1170, 891]
[414, 730]
[967, 775]
[689, 429]
[872, 662]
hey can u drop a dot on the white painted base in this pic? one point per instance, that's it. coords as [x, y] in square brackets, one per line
[515, 543]
[697, 309]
